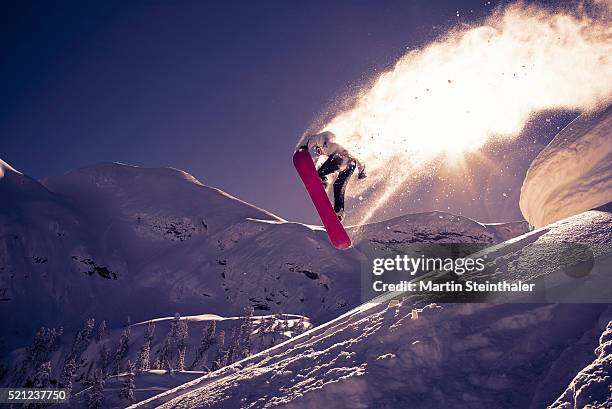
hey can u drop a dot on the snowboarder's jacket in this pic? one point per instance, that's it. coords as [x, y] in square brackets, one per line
[323, 144]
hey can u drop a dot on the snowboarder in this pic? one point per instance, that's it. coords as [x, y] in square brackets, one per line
[338, 160]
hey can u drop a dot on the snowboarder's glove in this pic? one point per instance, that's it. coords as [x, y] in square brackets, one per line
[362, 175]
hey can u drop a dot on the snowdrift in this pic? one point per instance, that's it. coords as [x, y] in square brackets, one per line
[573, 173]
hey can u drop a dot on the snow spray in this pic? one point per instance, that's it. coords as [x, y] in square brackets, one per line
[474, 84]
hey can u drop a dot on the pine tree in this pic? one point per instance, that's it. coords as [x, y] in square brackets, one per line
[127, 389]
[174, 327]
[95, 394]
[167, 351]
[175, 343]
[207, 341]
[219, 361]
[83, 338]
[44, 342]
[223, 359]
[261, 331]
[87, 331]
[144, 356]
[104, 358]
[150, 331]
[67, 374]
[143, 361]
[234, 347]
[164, 356]
[278, 331]
[220, 341]
[246, 330]
[101, 331]
[300, 327]
[122, 348]
[181, 340]
[43, 375]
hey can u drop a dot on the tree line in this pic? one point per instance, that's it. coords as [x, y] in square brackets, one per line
[215, 350]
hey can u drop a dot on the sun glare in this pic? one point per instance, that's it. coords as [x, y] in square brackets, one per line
[458, 93]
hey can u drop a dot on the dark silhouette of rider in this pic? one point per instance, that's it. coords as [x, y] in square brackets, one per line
[338, 160]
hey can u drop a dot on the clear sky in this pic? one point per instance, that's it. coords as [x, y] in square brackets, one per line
[220, 89]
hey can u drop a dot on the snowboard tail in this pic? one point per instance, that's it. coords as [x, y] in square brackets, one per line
[308, 173]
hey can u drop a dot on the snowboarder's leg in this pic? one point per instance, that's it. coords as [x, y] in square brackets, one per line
[340, 188]
[331, 165]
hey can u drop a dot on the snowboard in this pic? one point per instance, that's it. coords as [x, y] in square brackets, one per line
[308, 173]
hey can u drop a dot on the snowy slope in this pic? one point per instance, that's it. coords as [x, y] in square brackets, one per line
[573, 173]
[90, 358]
[97, 241]
[451, 356]
[592, 386]
[99, 353]
[423, 356]
[569, 261]
[432, 227]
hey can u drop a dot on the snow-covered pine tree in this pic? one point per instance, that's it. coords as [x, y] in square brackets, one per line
[174, 328]
[127, 389]
[166, 353]
[278, 334]
[225, 358]
[234, 347]
[86, 333]
[104, 358]
[246, 330]
[144, 356]
[164, 356]
[67, 374]
[95, 393]
[300, 327]
[207, 341]
[122, 347]
[262, 330]
[219, 361]
[220, 340]
[42, 379]
[101, 331]
[181, 344]
[83, 338]
[44, 341]
[150, 331]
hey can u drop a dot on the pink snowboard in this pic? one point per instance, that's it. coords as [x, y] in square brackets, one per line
[306, 169]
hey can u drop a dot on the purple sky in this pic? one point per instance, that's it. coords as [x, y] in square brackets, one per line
[222, 90]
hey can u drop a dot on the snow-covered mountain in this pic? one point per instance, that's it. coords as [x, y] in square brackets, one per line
[111, 241]
[98, 241]
[401, 354]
